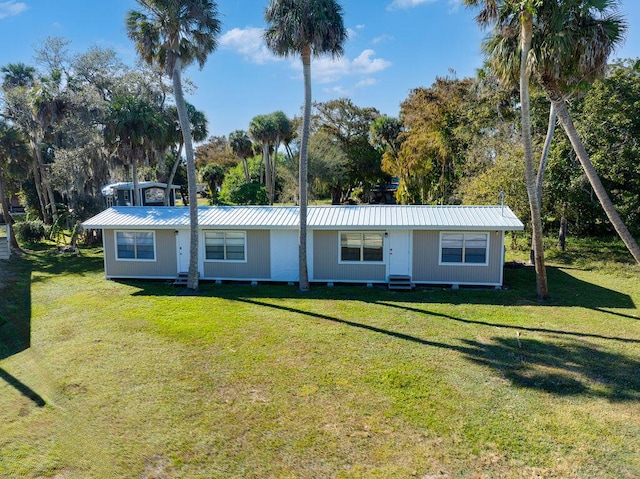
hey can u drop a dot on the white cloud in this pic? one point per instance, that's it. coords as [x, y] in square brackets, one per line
[404, 4]
[336, 90]
[249, 43]
[327, 69]
[364, 63]
[366, 82]
[360, 26]
[11, 8]
[351, 33]
[382, 38]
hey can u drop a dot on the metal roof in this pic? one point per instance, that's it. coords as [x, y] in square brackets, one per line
[319, 217]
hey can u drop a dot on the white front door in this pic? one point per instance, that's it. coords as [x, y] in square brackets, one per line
[284, 255]
[400, 252]
[183, 240]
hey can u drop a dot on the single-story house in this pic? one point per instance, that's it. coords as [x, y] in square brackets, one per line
[407, 245]
[151, 193]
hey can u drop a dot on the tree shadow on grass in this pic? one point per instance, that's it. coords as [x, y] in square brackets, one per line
[560, 366]
[567, 290]
[50, 262]
[15, 306]
[512, 327]
[566, 368]
[15, 319]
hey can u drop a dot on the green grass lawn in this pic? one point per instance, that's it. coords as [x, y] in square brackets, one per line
[131, 379]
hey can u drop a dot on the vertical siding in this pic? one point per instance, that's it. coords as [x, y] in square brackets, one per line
[326, 266]
[426, 250]
[165, 265]
[258, 265]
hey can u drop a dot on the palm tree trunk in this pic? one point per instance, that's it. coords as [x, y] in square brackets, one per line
[530, 176]
[245, 168]
[35, 168]
[172, 175]
[192, 279]
[544, 157]
[302, 240]
[594, 180]
[267, 170]
[134, 173]
[6, 210]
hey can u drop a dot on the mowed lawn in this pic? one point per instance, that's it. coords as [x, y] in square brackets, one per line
[131, 379]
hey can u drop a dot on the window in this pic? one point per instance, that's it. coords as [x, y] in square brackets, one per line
[464, 248]
[135, 245]
[225, 245]
[361, 246]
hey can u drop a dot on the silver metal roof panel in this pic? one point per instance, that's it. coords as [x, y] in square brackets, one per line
[319, 217]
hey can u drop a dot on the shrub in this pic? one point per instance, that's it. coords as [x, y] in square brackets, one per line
[30, 231]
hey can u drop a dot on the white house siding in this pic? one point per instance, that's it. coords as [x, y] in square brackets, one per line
[426, 251]
[327, 268]
[164, 266]
[257, 266]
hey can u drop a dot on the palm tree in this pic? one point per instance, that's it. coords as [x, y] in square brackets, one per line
[17, 75]
[264, 130]
[305, 28]
[572, 43]
[171, 35]
[13, 149]
[518, 16]
[199, 132]
[243, 148]
[133, 126]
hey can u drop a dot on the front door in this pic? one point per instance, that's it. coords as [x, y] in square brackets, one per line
[183, 240]
[400, 253]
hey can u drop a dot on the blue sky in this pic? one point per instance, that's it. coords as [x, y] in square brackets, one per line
[393, 46]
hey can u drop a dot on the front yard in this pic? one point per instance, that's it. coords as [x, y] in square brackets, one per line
[132, 379]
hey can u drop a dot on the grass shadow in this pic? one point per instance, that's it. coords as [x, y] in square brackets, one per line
[15, 306]
[565, 368]
[568, 368]
[567, 290]
[22, 388]
[46, 259]
[512, 327]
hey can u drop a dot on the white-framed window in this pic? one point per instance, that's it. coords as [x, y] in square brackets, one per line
[225, 246]
[136, 245]
[464, 248]
[361, 246]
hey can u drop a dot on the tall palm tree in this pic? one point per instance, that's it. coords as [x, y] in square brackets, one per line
[199, 132]
[243, 148]
[573, 40]
[172, 34]
[133, 125]
[518, 16]
[306, 28]
[264, 130]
